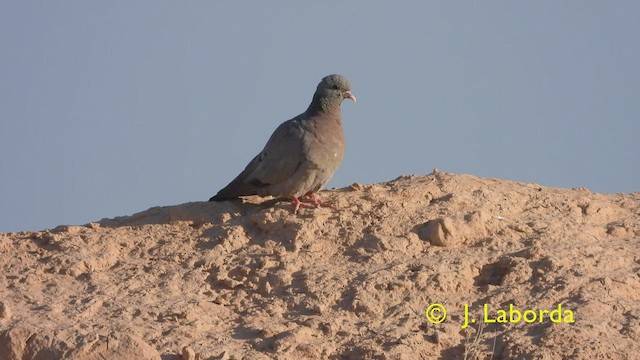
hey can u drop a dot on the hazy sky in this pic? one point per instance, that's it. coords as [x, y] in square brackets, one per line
[108, 108]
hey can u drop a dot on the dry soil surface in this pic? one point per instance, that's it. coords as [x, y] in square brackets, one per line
[251, 280]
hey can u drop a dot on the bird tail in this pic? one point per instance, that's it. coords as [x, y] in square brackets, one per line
[234, 190]
[243, 185]
[218, 197]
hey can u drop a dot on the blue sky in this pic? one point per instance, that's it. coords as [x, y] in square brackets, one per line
[109, 108]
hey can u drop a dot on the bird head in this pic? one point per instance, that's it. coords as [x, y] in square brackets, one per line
[332, 90]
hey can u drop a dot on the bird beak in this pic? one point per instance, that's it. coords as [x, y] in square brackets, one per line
[349, 95]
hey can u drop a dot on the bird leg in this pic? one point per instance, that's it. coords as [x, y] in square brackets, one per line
[296, 203]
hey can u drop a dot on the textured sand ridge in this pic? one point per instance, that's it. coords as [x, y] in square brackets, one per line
[232, 280]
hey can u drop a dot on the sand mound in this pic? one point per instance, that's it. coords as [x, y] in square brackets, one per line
[231, 280]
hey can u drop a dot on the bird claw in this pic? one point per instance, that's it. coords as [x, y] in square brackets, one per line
[313, 198]
[297, 204]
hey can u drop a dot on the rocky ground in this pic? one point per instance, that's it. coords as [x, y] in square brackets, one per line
[251, 280]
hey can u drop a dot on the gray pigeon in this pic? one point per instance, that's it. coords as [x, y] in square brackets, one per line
[302, 154]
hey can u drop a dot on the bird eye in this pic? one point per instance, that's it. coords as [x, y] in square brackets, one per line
[335, 87]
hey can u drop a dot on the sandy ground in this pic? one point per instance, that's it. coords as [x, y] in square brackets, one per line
[237, 280]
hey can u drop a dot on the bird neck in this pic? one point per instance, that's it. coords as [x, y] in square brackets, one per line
[323, 104]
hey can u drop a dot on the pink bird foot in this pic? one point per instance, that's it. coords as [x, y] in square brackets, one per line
[298, 204]
[315, 199]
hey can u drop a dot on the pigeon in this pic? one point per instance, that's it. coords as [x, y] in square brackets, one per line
[302, 154]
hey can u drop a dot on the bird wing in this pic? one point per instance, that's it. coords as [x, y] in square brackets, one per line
[276, 163]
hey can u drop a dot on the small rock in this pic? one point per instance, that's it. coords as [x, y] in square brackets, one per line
[5, 312]
[266, 289]
[188, 353]
[441, 232]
